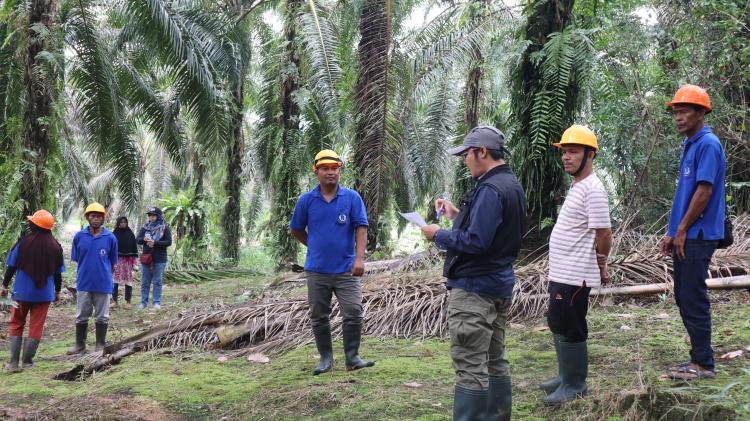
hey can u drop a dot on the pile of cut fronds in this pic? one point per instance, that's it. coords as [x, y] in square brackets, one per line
[403, 304]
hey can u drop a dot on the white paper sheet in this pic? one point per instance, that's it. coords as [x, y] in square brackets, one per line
[414, 218]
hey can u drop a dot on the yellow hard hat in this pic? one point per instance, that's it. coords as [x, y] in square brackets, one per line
[327, 156]
[578, 135]
[94, 207]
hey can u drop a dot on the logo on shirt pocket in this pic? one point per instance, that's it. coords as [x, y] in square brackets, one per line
[102, 252]
[342, 218]
[687, 171]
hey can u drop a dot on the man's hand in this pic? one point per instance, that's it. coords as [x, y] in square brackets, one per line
[601, 260]
[429, 231]
[358, 268]
[4, 292]
[666, 246]
[446, 208]
[678, 243]
[604, 272]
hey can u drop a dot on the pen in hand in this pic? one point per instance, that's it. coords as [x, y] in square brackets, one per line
[441, 211]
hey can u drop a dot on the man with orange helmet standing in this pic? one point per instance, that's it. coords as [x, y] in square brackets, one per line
[331, 222]
[37, 262]
[95, 250]
[696, 225]
[578, 249]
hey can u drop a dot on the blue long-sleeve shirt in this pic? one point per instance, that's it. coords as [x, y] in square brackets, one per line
[486, 215]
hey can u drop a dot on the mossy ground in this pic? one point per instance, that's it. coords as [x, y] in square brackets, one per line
[630, 346]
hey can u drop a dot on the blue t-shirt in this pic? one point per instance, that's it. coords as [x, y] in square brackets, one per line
[25, 289]
[330, 227]
[95, 257]
[486, 214]
[702, 160]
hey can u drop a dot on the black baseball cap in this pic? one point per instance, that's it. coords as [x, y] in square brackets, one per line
[481, 136]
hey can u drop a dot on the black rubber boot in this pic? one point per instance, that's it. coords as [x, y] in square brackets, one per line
[80, 346]
[101, 336]
[325, 349]
[499, 399]
[551, 385]
[469, 405]
[352, 337]
[573, 371]
[30, 346]
[14, 345]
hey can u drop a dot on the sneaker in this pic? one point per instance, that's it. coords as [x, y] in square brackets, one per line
[142, 307]
[128, 306]
[157, 306]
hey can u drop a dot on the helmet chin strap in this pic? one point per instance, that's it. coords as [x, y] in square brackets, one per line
[583, 161]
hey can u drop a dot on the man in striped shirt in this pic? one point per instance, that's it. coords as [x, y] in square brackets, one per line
[578, 250]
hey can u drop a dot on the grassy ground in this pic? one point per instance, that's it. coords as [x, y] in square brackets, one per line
[629, 346]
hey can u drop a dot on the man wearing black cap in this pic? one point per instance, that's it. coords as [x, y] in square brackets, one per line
[481, 249]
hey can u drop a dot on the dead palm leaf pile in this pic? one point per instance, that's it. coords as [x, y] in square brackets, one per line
[402, 303]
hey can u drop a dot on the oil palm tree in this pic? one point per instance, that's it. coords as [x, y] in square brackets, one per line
[547, 83]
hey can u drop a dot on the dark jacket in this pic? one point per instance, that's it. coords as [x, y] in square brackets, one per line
[160, 247]
[506, 241]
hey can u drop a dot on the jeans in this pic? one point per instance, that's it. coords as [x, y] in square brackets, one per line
[147, 277]
[691, 295]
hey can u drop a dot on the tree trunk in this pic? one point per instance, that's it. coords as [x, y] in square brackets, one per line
[543, 180]
[197, 226]
[230, 221]
[38, 99]
[372, 158]
[472, 108]
[286, 192]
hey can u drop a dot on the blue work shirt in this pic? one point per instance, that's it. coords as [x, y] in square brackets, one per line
[702, 160]
[486, 215]
[25, 289]
[331, 228]
[95, 257]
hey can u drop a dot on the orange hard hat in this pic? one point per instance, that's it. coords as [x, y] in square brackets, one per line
[691, 94]
[42, 219]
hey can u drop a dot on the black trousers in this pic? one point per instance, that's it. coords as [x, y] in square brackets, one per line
[128, 293]
[568, 306]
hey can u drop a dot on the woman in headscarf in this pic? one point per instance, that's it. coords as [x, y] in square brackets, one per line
[37, 262]
[155, 238]
[127, 253]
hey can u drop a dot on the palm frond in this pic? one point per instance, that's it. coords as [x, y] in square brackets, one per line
[160, 115]
[320, 44]
[188, 42]
[92, 77]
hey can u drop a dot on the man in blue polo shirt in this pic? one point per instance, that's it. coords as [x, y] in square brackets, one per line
[331, 221]
[696, 224]
[95, 251]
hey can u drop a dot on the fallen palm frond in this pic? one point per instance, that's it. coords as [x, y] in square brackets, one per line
[198, 276]
[397, 303]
